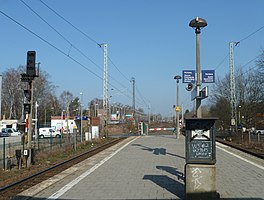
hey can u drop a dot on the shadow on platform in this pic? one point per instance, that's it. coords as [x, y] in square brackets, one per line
[169, 184]
[157, 151]
[172, 171]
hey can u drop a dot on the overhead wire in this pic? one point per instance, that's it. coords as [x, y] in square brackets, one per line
[79, 30]
[117, 69]
[70, 43]
[222, 61]
[142, 97]
[58, 49]
[245, 38]
[47, 42]
[87, 36]
[243, 73]
[63, 18]
[250, 69]
[241, 40]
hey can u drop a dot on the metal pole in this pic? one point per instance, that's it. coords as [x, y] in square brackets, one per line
[177, 107]
[177, 111]
[239, 116]
[50, 141]
[174, 111]
[182, 118]
[198, 71]
[105, 99]
[81, 117]
[133, 98]
[74, 139]
[45, 115]
[67, 117]
[3, 153]
[149, 113]
[30, 124]
[232, 86]
[94, 110]
[36, 120]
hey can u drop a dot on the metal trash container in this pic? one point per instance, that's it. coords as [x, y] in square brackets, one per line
[200, 140]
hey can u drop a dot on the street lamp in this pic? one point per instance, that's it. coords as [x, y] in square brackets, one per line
[81, 115]
[198, 24]
[177, 109]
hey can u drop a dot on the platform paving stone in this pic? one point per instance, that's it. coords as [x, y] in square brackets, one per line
[237, 179]
[152, 167]
[149, 168]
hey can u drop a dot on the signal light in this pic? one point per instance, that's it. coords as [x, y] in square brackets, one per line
[31, 62]
[27, 108]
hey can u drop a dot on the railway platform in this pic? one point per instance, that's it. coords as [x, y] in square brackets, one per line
[150, 167]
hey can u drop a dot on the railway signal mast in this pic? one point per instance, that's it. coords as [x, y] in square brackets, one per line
[28, 77]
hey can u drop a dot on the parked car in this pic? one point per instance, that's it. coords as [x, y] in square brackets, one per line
[48, 132]
[4, 133]
[12, 132]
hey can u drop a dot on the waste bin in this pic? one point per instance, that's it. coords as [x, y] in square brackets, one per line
[200, 140]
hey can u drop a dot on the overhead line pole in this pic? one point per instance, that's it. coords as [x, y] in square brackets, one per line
[105, 99]
[134, 96]
[232, 84]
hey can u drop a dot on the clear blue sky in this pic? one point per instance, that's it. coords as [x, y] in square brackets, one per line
[147, 39]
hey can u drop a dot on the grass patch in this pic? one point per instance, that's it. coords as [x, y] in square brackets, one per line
[46, 159]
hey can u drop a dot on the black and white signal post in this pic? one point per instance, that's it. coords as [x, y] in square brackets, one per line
[28, 77]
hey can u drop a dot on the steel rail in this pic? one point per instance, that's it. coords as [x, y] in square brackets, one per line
[230, 144]
[99, 148]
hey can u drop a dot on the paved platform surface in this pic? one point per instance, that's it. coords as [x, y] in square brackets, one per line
[150, 167]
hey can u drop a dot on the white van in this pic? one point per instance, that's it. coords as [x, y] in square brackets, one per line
[11, 131]
[48, 132]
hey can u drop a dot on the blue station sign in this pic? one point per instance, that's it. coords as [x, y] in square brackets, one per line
[188, 76]
[208, 76]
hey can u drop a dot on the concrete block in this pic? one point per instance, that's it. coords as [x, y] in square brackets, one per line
[200, 181]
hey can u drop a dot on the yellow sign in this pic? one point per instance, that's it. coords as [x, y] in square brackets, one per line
[178, 108]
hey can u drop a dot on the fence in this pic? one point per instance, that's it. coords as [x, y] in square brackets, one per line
[8, 146]
[245, 138]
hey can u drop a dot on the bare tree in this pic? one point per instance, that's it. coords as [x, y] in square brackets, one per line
[44, 95]
[65, 100]
[249, 95]
[12, 94]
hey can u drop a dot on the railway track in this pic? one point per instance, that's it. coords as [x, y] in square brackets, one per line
[241, 148]
[11, 190]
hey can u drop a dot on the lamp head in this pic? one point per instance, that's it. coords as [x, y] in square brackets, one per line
[198, 23]
[177, 77]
